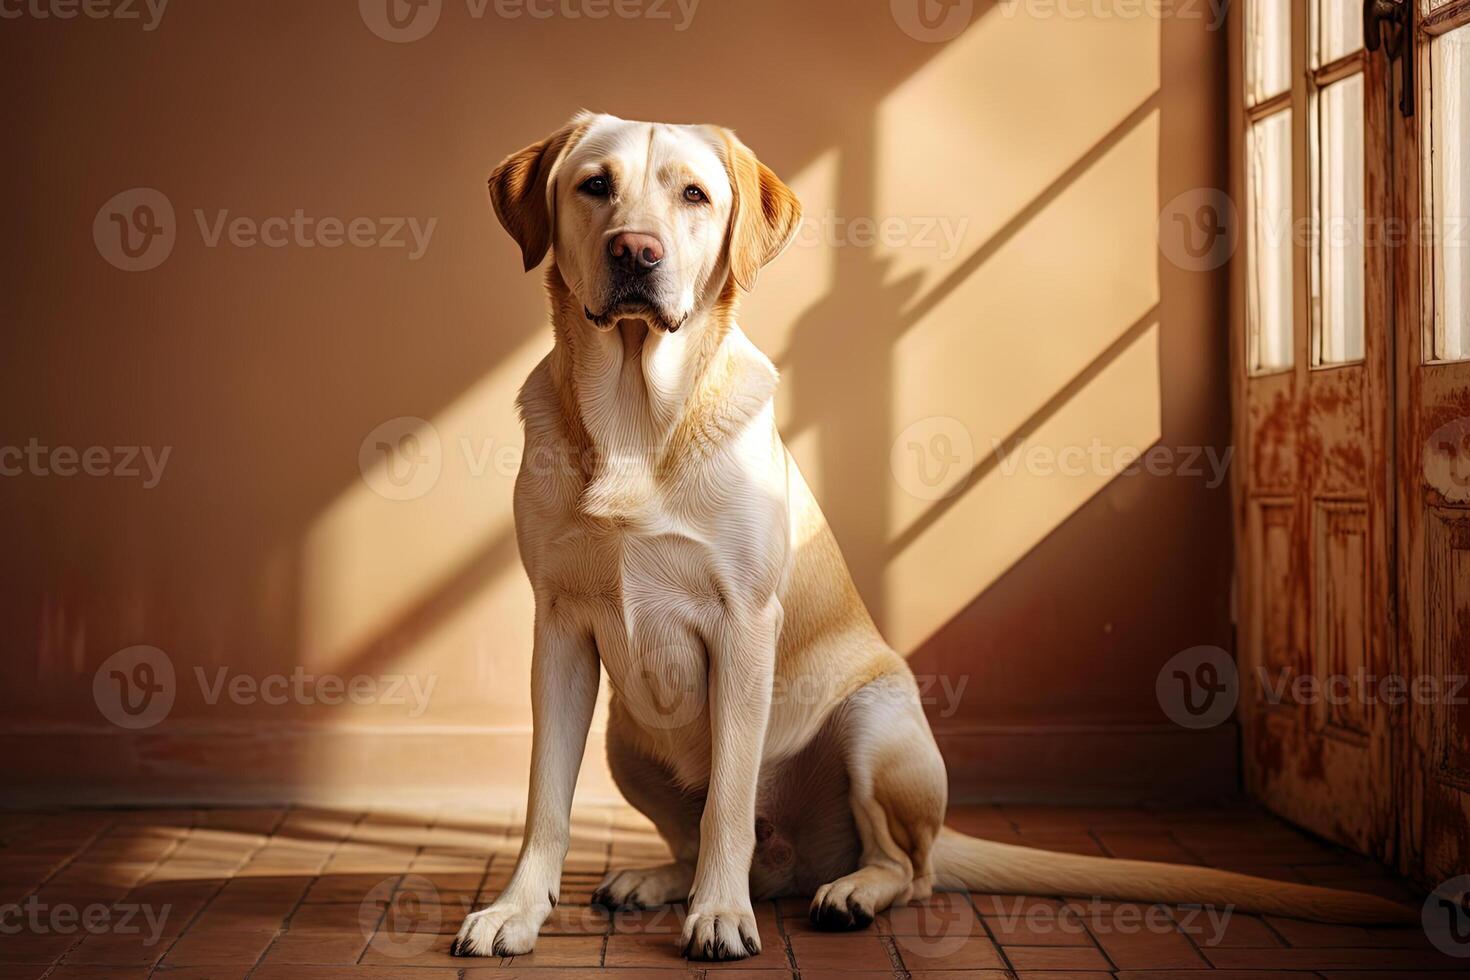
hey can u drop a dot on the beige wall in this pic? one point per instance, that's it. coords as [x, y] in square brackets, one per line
[1016, 173]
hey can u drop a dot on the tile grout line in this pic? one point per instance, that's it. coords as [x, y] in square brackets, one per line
[270, 835]
[392, 892]
[193, 828]
[1096, 943]
[54, 964]
[612, 916]
[890, 946]
[1005, 958]
[162, 860]
[260, 960]
[177, 843]
[784, 936]
[1195, 855]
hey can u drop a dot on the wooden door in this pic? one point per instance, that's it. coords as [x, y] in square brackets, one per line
[1312, 359]
[1432, 291]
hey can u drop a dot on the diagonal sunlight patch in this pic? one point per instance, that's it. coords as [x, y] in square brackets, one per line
[408, 585]
[1034, 485]
[1023, 332]
[1017, 118]
[1037, 313]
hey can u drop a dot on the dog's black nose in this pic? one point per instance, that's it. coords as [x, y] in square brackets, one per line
[636, 252]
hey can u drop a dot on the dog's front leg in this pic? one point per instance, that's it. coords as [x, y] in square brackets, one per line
[742, 654]
[564, 674]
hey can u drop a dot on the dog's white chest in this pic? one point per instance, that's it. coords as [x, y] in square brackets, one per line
[659, 538]
[648, 600]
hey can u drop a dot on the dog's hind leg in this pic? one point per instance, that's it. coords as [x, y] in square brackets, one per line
[898, 794]
[651, 788]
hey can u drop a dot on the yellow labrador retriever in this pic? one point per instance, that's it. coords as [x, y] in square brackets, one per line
[758, 719]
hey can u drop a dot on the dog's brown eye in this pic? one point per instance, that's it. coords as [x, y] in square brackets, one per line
[597, 186]
[694, 194]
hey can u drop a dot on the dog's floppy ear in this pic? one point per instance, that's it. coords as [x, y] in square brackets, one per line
[765, 216]
[520, 191]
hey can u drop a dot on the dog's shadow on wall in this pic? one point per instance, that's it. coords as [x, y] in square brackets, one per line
[303, 353]
[837, 363]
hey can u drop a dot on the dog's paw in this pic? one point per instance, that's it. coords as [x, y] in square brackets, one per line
[841, 906]
[643, 888]
[720, 934]
[504, 929]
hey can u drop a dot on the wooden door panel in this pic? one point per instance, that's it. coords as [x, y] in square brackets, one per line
[1272, 420]
[1432, 430]
[1439, 693]
[1353, 502]
[1342, 575]
[1316, 502]
[1338, 438]
[1278, 598]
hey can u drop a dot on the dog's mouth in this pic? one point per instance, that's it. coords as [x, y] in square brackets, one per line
[633, 304]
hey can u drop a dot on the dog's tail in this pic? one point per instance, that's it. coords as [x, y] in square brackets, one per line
[967, 863]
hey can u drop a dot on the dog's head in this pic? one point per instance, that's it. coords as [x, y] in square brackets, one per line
[644, 221]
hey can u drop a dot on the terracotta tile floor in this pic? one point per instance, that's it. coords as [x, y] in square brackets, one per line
[312, 894]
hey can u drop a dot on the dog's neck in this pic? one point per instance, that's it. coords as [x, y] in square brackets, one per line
[632, 386]
[638, 404]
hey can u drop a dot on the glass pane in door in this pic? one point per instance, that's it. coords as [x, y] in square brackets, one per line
[1343, 225]
[1268, 184]
[1267, 49]
[1339, 28]
[1450, 188]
